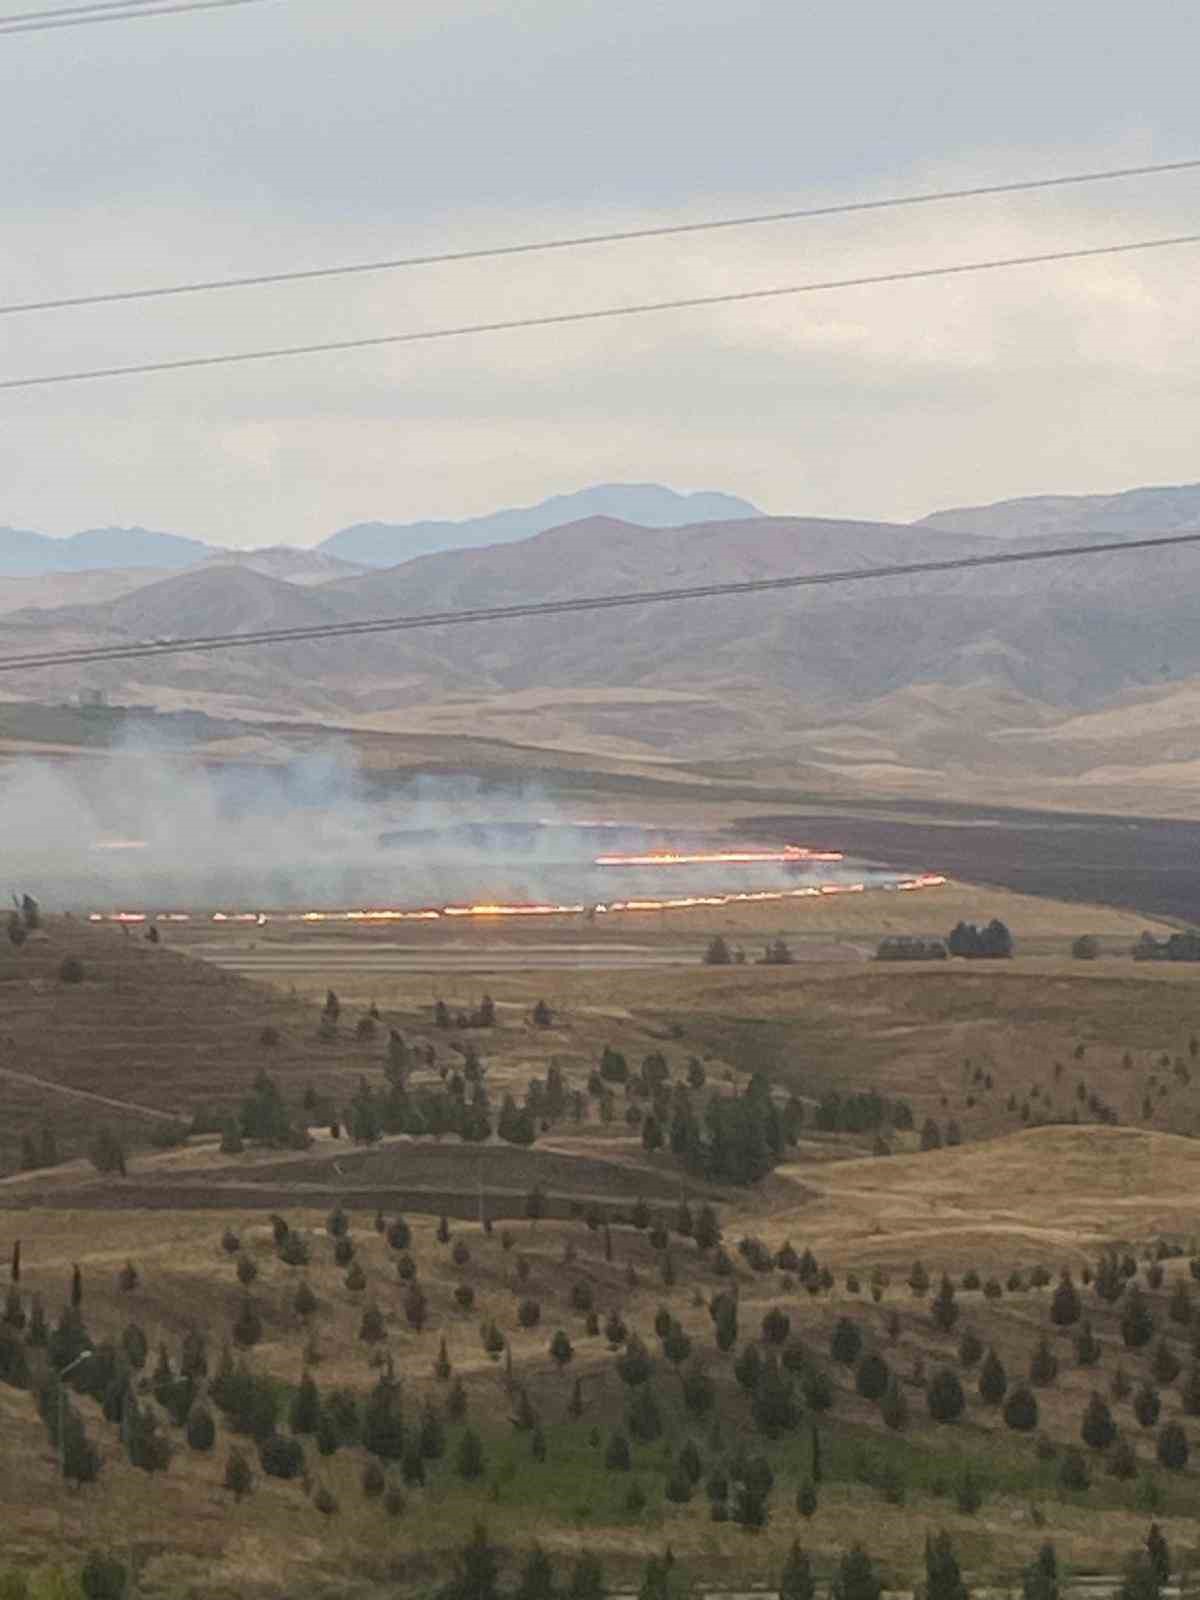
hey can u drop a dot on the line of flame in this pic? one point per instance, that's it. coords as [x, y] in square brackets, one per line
[924, 880]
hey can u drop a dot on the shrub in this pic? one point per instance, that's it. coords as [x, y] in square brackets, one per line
[281, 1456]
[1073, 1472]
[872, 1377]
[945, 1396]
[239, 1479]
[1173, 1448]
[1021, 1410]
[1098, 1430]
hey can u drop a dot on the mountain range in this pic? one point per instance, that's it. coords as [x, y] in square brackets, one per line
[366, 544]
[1069, 682]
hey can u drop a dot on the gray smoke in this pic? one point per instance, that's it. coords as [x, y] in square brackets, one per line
[146, 828]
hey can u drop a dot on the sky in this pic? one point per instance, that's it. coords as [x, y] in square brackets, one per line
[299, 133]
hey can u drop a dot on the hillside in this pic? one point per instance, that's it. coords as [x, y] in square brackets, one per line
[1019, 684]
[1167, 509]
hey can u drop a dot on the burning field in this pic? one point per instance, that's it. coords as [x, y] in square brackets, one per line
[146, 836]
[496, 870]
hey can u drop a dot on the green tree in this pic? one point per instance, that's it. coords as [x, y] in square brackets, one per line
[944, 1307]
[1065, 1305]
[1021, 1409]
[993, 1380]
[1159, 1552]
[470, 1462]
[1098, 1430]
[201, 1430]
[943, 1575]
[1040, 1578]
[587, 1579]
[796, 1581]
[1173, 1448]
[478, 1570]
[239, 1479]
[1141, 1580]
[304, 1415]
[1137, 1320]
[945, 1396]
[382, 1420]
[855, 1577]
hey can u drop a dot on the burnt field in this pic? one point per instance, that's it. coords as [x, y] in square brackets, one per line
[1145, 864]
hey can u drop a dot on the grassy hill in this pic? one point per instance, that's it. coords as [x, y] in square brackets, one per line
[1003, 1213]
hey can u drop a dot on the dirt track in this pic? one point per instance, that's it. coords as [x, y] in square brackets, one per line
[29, 1079]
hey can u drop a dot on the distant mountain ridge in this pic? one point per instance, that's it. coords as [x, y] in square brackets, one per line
[24, 554]
[1169, 508]
[649, 505]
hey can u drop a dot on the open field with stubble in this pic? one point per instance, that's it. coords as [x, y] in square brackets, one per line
[1003, 1058]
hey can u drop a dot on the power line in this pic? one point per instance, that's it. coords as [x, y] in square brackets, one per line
[97, 14]
[78, 11]
[554, 608]
[577, 241]
[564, 318]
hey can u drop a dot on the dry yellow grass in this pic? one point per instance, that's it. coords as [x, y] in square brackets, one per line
[1041, 1196]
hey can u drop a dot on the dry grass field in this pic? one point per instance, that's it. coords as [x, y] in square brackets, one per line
[1067, 1193]
[151, 1030]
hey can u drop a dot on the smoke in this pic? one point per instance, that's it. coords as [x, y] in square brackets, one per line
[143, 827]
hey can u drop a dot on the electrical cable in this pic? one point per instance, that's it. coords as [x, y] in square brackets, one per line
[95, 7]
[602, 313]
[553, 608]
[11, 25]
[577, 241]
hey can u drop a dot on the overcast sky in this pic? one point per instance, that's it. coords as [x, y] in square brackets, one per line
[302, 132]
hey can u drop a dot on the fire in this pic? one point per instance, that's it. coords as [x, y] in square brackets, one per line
[487, 911]
[791, 853]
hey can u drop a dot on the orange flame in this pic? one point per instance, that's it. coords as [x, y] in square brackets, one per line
[924, 880]
[678, 858]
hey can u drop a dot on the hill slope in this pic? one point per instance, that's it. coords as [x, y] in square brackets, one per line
[1169, 509]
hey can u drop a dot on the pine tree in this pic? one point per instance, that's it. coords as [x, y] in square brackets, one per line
[943, 1575]
[796, 1581]
[537, 1577]
[304, 1415]
[1043, 1364]
[587, 1579]
[1021, 1410]
[239, 1479]
[1137, 1320]
[1040, 1578]
[856, 1578]
[247, 1328]
[1159, 1553]
[470, 1462]
[993, 1380]
[944, 1307]
[382, 1421]
[201, 1430]
[478, 1574]
[893, 1407]
[1141, 1580]
[1173, 1447]
[1098, 1429]
[945, 1396]
[1065, 1306]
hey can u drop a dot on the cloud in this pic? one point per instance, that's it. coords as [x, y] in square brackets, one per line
[290, 134]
